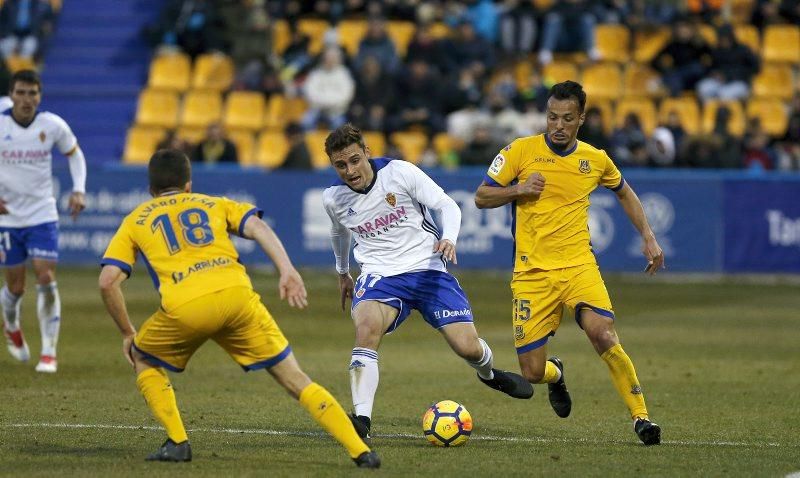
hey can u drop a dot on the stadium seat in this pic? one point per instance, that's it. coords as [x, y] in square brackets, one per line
[375, 141]
[315, 29]
[775, 80]
[709, 34]
[687, 110]
[748, 36]
[736, 124]
[771, 112]
[315, 141]
[170, 72]
[781, 44]
[191, 134]
[272, 149]
[606, 111]
[244, 110]
[201, 107]
[641, 81]
[280, 36]
[17, 63]
[213, 71]
[644, 108]
[647, 43]
[613, 42]
[157, 108]
[350, 34]
[401, 34]
[411, 144]
[440, 30]
[245, 146]
[602, 80]
[140, 144]
[281, 110]
[559, 71]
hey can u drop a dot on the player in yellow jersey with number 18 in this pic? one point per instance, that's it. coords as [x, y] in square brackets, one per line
[548, 179]
[206, 293]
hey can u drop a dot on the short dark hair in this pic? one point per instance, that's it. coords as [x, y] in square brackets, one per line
[168, 168]
[342, 137]
[567, 90]
[25, 76]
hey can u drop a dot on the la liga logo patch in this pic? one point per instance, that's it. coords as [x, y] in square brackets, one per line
[497, 164]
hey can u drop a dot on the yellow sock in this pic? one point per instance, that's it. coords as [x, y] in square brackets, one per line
[550, 373]
[624, 377]
[154, 385]
[326, 411]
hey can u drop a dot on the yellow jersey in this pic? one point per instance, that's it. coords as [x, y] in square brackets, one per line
[553, 231]
[184, 243]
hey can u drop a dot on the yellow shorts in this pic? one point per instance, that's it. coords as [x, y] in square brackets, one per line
[540, 297]
[234, 318]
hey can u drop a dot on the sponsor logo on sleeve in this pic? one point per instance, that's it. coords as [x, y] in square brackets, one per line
[497, 164]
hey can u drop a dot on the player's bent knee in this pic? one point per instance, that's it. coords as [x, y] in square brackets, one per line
[289, 375]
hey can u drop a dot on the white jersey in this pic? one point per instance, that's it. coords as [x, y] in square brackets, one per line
[5, 103]
[26, 169]
[391, 221]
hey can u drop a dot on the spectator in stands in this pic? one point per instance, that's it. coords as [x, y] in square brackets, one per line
[533, 120]
[518, 27]
[215, 147]
[718, 149]
[173, 141]
[466, 92]
[296, 57]
[23, 26]
[707, 11]
[789, 146]
[790, 11]
[503, 119]
[471, 51]
[534, 91]
[251, 34]
[767, 12]
[593, 131]
[661, 148]
[757, 153]
[461, 124]
[298, 156]
[374, 97]
[673, 124]
[733, 66]
[481, 148]
[568, 26]
[329, 90]
[377, 44]
[192, 25]
[424, 47]
[684, 60]
[421, 94]
[483, 16]
[628, 141]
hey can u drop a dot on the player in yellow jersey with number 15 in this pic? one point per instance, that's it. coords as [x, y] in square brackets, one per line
[548, 179]
[206, 293]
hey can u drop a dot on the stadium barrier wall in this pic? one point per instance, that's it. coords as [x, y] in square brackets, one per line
[705, 221]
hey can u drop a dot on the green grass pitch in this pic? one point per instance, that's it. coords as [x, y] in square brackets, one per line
[719, 364]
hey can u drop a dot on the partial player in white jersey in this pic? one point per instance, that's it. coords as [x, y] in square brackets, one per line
[385, 205]
[28, 214]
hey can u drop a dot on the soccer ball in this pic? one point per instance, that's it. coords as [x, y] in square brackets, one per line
[447, 423]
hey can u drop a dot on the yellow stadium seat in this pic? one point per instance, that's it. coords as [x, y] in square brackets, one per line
[170, 71]
[315, 29]
[245, 146]
[411, 144]
[647, 43]
[644, 109]
[522, 73]
[687, 110]
[315, 141]
[736, 124]
[350, 34]
[440, 30]
[213, 71]
[781, 44]
[191, 134]
[280, 36]
[602, 80]
[281, 110]
[443, 143]
[606, 111]
[17, 63]
[775, 80]
[157, 108]
[201, 107]
[748, 36]
[401, 34]
[559, 71]
[375, 141]
[641, 81]
[709, 34]
[244, 110]
[141, 143]
[613, 42]
[272, 149]
[771, 112]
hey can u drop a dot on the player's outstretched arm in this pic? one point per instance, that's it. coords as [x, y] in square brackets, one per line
[489, 197]
[650, 248]
[110, 282]
[291, 284]
[3, 209]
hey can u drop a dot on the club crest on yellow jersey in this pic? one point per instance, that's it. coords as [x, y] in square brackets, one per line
[584, 166]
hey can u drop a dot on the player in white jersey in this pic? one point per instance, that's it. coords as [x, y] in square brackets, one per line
[385, 206]
[28, 214]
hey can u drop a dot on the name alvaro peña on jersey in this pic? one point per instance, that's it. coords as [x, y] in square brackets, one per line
[381, 224]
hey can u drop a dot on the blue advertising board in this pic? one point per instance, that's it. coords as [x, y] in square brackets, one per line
[705, 222]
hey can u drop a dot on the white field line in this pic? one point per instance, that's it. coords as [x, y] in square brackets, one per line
[256, 431]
